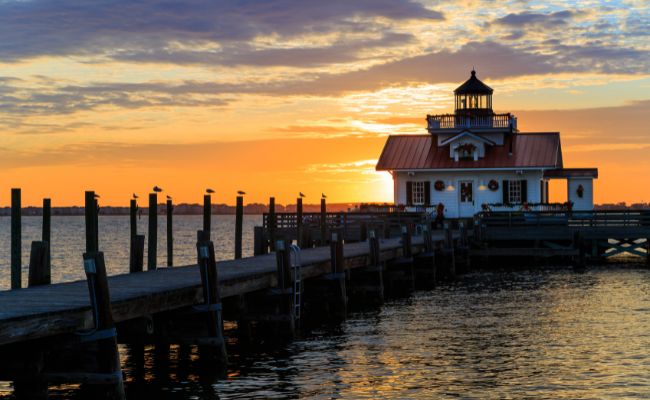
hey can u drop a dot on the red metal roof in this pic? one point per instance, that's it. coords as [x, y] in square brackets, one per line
[409, 152]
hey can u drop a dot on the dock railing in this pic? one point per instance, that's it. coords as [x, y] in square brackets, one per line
[596, 218]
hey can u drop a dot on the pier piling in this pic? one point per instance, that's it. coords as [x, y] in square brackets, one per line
[272, 223]
[239, 222]
[39, 266]
[207, 214]
[323, 222]
[152, 248]
[16, 239]
[46, 229]
[170, 233]
[299, 229]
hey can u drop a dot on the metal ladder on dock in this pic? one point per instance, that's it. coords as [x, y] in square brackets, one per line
[296, 265]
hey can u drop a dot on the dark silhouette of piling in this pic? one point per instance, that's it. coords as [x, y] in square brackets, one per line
[272, 223]
[39, 268]
[207, 214]
[170, 233]
[16, 239]
[239, 226]
[323, 221]
[299, 233]
[152, 248]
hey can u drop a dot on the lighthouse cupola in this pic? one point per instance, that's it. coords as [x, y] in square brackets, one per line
[473, 97]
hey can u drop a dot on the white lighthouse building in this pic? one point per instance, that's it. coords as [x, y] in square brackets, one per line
[474, 160]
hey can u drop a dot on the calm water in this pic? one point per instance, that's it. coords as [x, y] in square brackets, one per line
[68, 242]
[536, 334]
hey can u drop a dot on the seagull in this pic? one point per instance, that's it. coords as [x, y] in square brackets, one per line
[135, 196]
[157, 189]
[96, 195]
[169, 197]
[323, 194]
[241, 192]
[208, 190]
[301, 194]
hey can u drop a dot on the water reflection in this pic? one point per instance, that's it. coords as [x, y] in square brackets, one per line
[526, 334]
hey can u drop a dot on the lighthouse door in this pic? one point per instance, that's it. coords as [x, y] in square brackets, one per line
[466, 199]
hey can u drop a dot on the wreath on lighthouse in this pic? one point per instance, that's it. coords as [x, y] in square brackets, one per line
[580, 191]
[439, 186]
[493, 185]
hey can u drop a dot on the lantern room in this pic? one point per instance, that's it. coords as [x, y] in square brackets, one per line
[473, 97]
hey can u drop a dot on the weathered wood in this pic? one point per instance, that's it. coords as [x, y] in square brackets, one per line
[336, 252]
[46, 229]
[211, 293]
[272, 223]
[406, 242]
[136, 260]
[239, 226]
[108, 358]
[152, 244]
[323, 221]
[299, 228]
[92, 244]
[134, 266]
[207, 214]
[170, 233]
[16, 239]
[39, 266]
[63, 308]
[260, 245]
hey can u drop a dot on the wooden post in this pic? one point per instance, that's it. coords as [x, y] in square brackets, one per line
[133, 218]
[239, 226]
[647, 249]
[136, 261]
[373, 243]
[260, 244]
[96, 202]
[16, 240]
[169, 207]
[407, 250]
[152, 248]
[323, 222]
[272, 223]
[134, 265]
[299, 233]
[283, 265]
[207, 214]
[211, 294]
[46, 230]
[108, 358]
[39, 267]
[336, 253]
[91, 223]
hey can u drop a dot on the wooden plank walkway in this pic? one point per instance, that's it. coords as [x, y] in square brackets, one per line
[44, 311]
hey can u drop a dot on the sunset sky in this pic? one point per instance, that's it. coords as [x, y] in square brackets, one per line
[277, 97]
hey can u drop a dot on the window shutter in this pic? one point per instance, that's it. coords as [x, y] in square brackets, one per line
[409, 193]
[506, 189]
[427, 193]
[524, 191]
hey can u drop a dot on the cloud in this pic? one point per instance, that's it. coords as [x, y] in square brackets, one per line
[68, 27]
[341, 51]
[526, 19]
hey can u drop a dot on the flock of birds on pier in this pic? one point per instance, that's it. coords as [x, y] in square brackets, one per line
[157, 189]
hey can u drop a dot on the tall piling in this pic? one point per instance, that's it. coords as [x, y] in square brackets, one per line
[170, 233]
[299, 229]
[272, 223]
[239, 226]
[323, 221]
[152, 248]
[16, 239]
[207, 215]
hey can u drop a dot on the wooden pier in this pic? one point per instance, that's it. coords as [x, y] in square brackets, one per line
[68, 332]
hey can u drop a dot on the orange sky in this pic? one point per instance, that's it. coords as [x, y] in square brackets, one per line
[300, 96]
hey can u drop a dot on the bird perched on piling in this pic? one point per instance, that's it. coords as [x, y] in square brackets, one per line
[135, 196]
[241, 192]
[209, 191]
[301, 194]
[157, 189]
[169, 197]
[96, 195]
[323, 195]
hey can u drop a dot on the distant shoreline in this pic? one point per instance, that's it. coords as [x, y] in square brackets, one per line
[181, 209]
